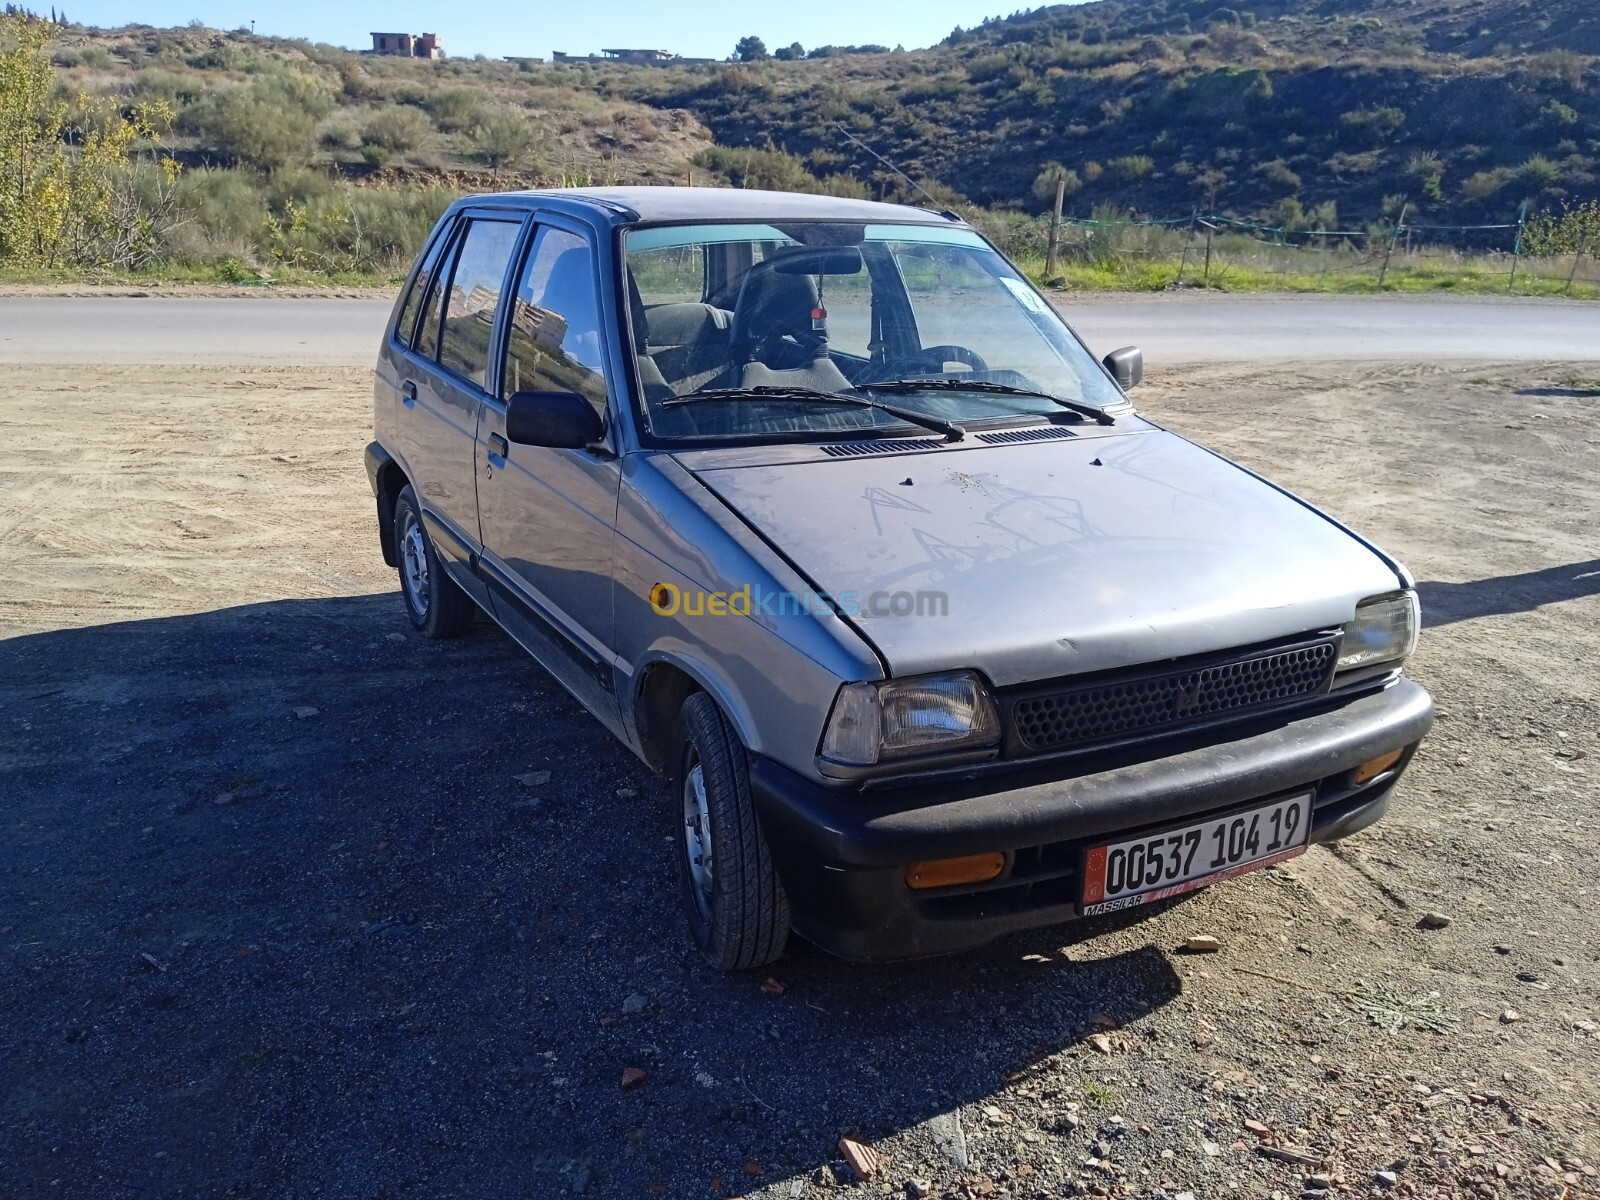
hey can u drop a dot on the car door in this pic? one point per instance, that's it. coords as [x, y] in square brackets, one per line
[547, 517]
[444, 389]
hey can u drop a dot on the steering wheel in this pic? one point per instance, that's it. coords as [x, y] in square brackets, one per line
[934, 358]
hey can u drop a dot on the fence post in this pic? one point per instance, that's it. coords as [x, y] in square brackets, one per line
[1189, 241]
[1383, 272]
[1583, 244]
[1516, 247]
[1210, 231]
[1055, 231]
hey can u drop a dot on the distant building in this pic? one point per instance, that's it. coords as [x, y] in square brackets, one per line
[407, 45]
[636, 58]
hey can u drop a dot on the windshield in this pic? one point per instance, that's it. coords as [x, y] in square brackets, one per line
[748, 318]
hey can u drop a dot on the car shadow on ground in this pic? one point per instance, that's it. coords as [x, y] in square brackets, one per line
[1447, 603]
[1578, 391]
[291, 906]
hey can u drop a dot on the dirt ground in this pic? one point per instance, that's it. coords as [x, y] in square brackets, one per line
[278, 917]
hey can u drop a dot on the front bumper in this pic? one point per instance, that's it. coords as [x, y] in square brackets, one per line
[842, 853]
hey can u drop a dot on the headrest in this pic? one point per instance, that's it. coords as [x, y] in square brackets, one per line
[685, 324]
[773, 306]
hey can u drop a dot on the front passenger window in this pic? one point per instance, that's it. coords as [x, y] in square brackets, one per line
[554, 341]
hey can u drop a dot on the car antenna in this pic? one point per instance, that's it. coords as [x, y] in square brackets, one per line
[943, 212]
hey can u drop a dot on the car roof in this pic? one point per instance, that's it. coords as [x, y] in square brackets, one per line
[645, 204]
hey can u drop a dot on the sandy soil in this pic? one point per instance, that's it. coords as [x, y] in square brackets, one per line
[280, 919]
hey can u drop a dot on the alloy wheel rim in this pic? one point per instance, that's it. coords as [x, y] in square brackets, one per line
[414, 566]
[697, 838]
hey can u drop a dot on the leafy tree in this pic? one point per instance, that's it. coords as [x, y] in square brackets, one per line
[1575, 227]
[65, 180]
[751, 49]
[793, 52]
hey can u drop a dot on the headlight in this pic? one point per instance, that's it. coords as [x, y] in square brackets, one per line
[1384, 631]
[897, 718]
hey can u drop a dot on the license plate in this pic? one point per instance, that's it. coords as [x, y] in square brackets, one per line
[1143, 869]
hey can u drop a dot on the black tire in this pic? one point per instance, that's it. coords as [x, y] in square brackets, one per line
[736, 909]
[437, 607]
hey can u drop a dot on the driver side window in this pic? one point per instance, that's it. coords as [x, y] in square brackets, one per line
[554, 340]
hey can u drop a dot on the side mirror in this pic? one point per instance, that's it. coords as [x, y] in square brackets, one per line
[1126, 366]
[559, 420]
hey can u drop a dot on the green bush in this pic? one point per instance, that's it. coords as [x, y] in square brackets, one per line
[749, 168]
[1052, 173]
[1132, 168]
[458, 109]
[1540, 172]
[502, 139]
[1483, 184]
[1277, 171]
[397, 130]
[256, 133]
[1558, 115]
[1374, 125]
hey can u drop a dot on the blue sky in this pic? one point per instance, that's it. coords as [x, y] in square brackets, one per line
[702, 28]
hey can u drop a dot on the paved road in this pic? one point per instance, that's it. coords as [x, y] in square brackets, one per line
[1172, 329]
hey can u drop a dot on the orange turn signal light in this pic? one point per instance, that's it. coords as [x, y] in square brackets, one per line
[1374, 767]
[944, 872]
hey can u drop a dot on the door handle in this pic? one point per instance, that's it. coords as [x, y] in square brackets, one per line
[498, 447]
[408, 393]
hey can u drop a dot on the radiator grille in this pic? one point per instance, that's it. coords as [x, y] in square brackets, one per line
[1129, 704]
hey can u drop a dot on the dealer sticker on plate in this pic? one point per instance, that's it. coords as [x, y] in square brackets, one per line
[1174, 861]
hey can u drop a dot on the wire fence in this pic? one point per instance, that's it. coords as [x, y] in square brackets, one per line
[1115, 250]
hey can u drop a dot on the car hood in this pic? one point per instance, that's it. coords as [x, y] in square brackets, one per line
[1055, 557]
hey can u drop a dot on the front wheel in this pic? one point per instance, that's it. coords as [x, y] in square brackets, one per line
[737, 912]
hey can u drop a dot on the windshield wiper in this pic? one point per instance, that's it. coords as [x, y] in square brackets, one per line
[1100, 416]
[951, 431]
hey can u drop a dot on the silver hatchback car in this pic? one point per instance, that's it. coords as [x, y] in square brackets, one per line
[821, 509]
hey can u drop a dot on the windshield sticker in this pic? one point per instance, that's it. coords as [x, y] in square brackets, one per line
[1025, 294]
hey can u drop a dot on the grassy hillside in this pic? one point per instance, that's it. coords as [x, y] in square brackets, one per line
[1299, 113]
[1162, 106]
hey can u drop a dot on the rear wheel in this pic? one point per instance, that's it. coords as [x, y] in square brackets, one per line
[735, 906]
[437, 607]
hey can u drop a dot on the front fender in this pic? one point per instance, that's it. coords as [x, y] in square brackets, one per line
[688, 658]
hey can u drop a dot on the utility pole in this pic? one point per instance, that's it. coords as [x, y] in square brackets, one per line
[1055, 230]
[1400, 225]
[1183, 262]
[1516, 247]
[1583, 244]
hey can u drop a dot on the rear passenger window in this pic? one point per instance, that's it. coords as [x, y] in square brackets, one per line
[475, 297]
[554, 342]
[405, 328]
